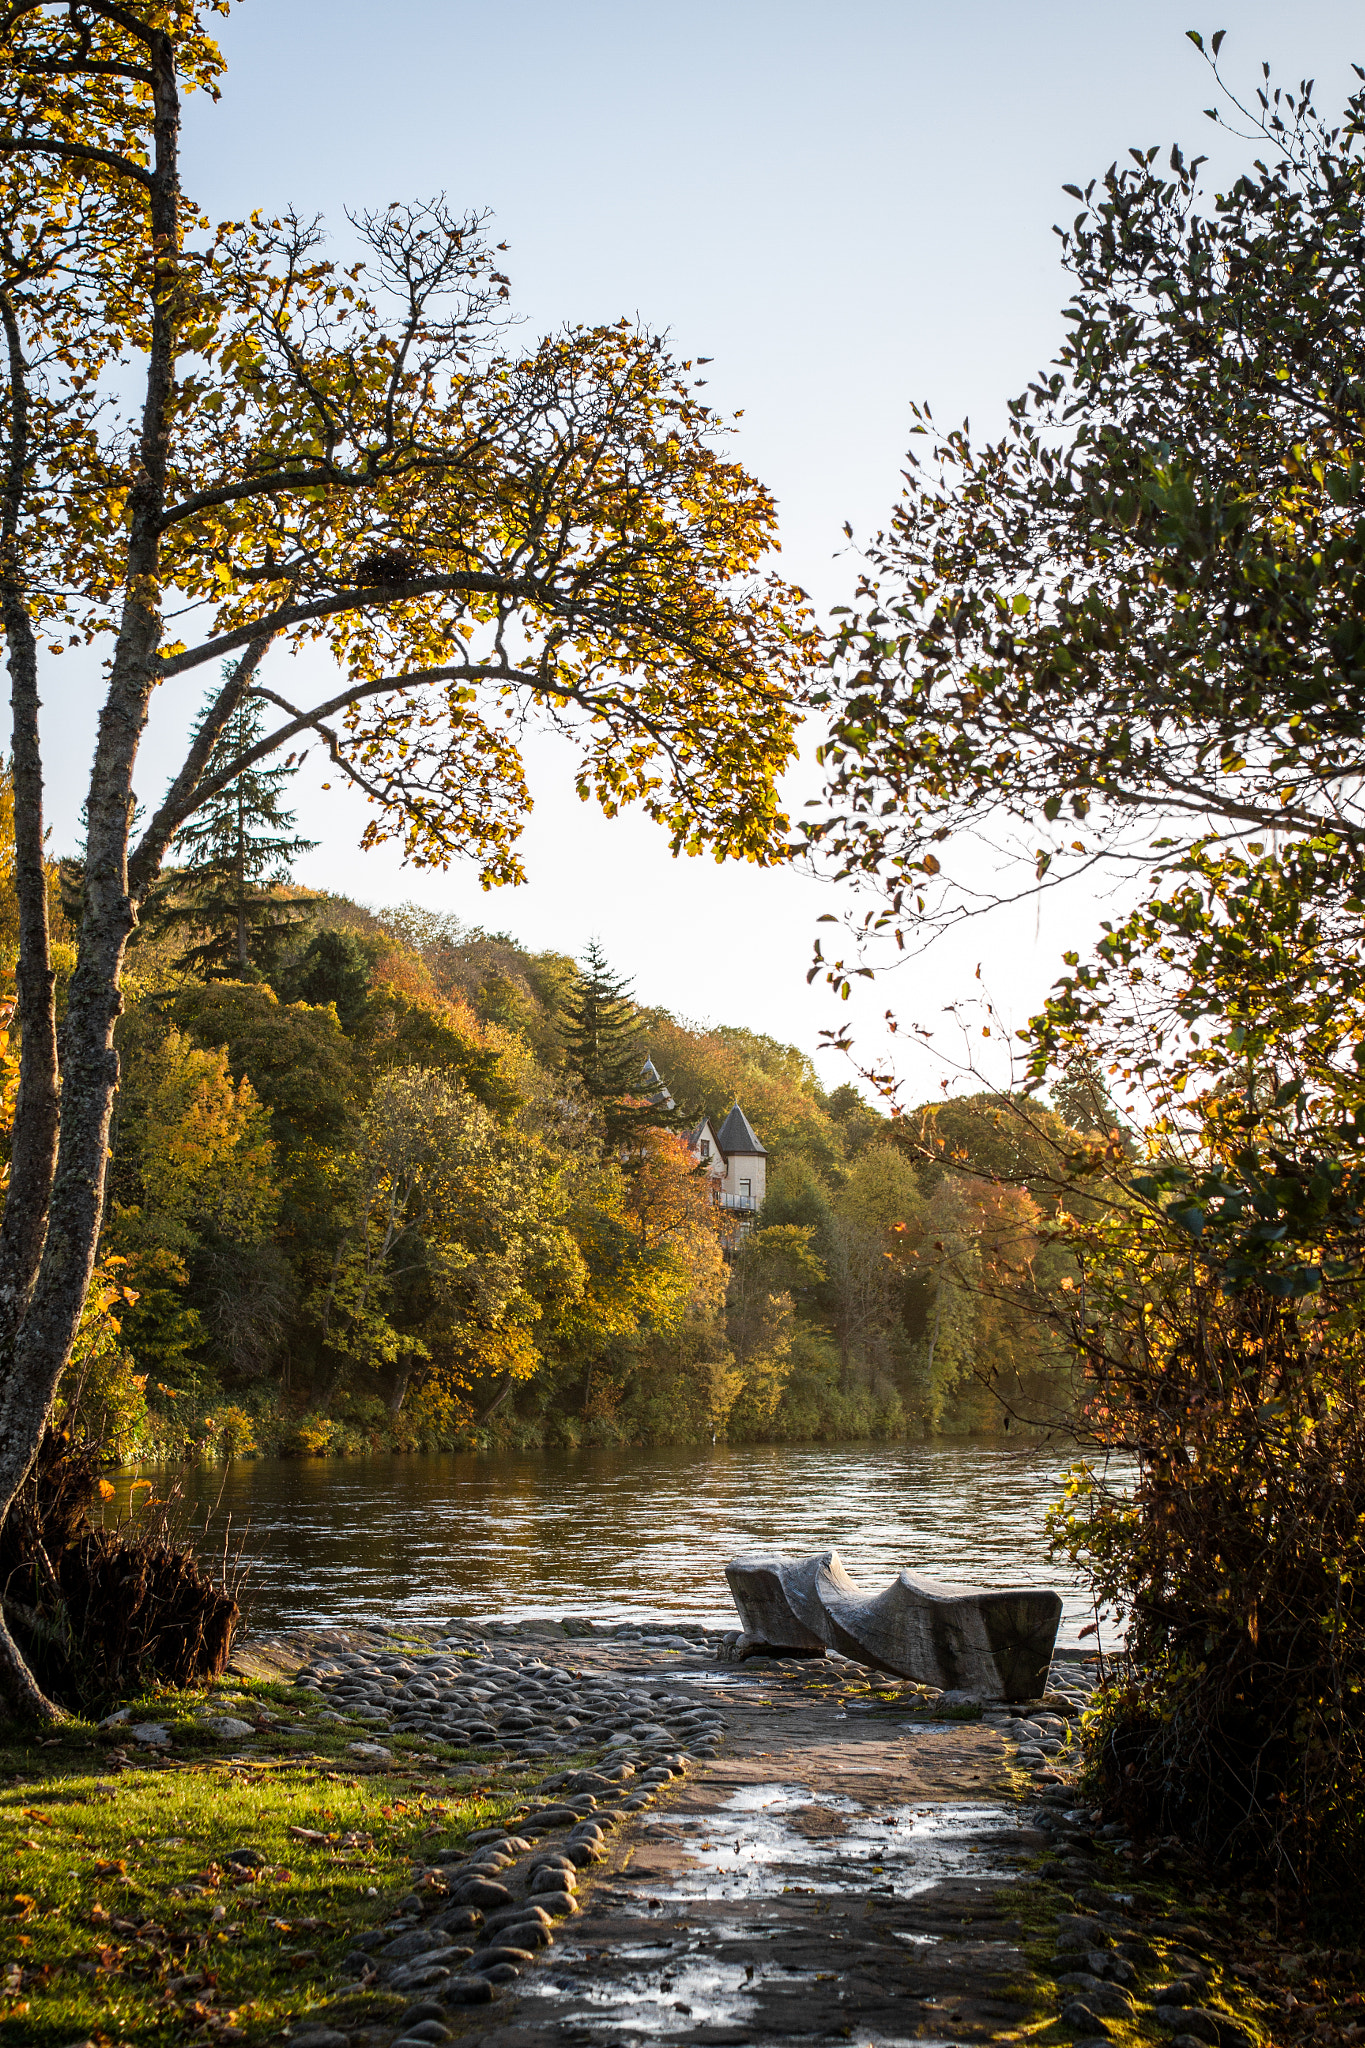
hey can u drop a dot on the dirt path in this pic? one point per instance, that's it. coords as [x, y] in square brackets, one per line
[831, 1874]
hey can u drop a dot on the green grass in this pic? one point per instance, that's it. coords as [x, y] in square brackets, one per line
[121, 1920]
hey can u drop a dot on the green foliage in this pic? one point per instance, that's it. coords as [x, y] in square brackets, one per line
[1140, 608]
[1130, 630]
[233, 857]
[335, 968]
[796, 1194]
[603, 1051]
[193, 1187]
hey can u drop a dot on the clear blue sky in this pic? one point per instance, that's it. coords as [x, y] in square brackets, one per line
[845, 205]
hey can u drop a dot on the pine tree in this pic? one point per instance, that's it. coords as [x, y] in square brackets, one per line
[233, 857]
[603, 1048]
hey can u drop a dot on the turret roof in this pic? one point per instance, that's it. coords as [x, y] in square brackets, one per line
[655, 1087]
[736, 1135]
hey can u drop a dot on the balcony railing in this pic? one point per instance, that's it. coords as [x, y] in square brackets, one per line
[742, 1202]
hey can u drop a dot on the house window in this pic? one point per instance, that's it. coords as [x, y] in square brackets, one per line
[706, 1148]
[746, 1189]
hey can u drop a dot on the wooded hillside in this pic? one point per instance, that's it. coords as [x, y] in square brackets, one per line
[373, 1193]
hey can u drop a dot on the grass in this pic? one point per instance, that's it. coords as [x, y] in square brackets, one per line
[122, 1921]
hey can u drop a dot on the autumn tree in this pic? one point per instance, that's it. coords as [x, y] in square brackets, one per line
[194, 1190]
[456, 1241]
[353, 456]
[771, 1266]
[880, 1194]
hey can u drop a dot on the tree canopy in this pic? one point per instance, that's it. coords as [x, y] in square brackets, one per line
[1128, 636]
[1131, 626]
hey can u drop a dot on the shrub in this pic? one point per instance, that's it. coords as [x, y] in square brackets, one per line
[99, 1612]
[231, 1432]
[1235, 1716]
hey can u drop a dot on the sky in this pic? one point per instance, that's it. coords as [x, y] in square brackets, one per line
[847, 207]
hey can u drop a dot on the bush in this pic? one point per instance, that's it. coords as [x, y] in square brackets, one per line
[1235, 1717]
[100, 1612]
[231, 1432]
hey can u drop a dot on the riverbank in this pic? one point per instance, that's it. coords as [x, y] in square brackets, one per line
[711, 1853]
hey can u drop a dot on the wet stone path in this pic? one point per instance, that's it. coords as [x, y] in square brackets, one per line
[844, 1865]
[822, 1882]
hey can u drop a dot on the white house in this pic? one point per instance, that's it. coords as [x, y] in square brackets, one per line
[733, 1156]
[736, 1159]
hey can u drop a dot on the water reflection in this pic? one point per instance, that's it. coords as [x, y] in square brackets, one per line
[630, 1535]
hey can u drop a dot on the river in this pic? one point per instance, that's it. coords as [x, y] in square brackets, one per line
[623, 1535]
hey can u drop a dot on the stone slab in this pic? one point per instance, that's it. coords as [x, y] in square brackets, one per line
[993, 1641]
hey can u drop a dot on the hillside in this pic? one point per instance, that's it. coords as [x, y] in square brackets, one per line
[368, 1200]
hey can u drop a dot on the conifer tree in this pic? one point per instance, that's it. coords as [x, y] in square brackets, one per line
[604, 1049]
[235, 853]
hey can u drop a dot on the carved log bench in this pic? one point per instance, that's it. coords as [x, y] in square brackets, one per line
[996, 1641]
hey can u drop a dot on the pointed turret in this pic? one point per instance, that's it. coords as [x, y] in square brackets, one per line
[653, 1086]
[736, 1137]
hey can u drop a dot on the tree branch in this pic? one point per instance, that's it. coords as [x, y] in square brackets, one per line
[80, 152]
[476, 584]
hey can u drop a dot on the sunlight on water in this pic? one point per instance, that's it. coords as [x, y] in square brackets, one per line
[621, 1535]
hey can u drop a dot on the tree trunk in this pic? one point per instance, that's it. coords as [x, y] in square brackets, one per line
[398, 1391]
[38, 1350]
[491, 1410]
[934, 1329]
[33, 1141]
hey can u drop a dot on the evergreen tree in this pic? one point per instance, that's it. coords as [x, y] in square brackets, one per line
[334, 969]
[234, 855]
[603, 1049]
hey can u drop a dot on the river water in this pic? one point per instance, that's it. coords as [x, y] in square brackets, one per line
[619, 1535]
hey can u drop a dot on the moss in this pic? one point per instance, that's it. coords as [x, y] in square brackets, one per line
[1154, 1911]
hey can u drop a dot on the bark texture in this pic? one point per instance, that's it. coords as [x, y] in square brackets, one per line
[49, 1316]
